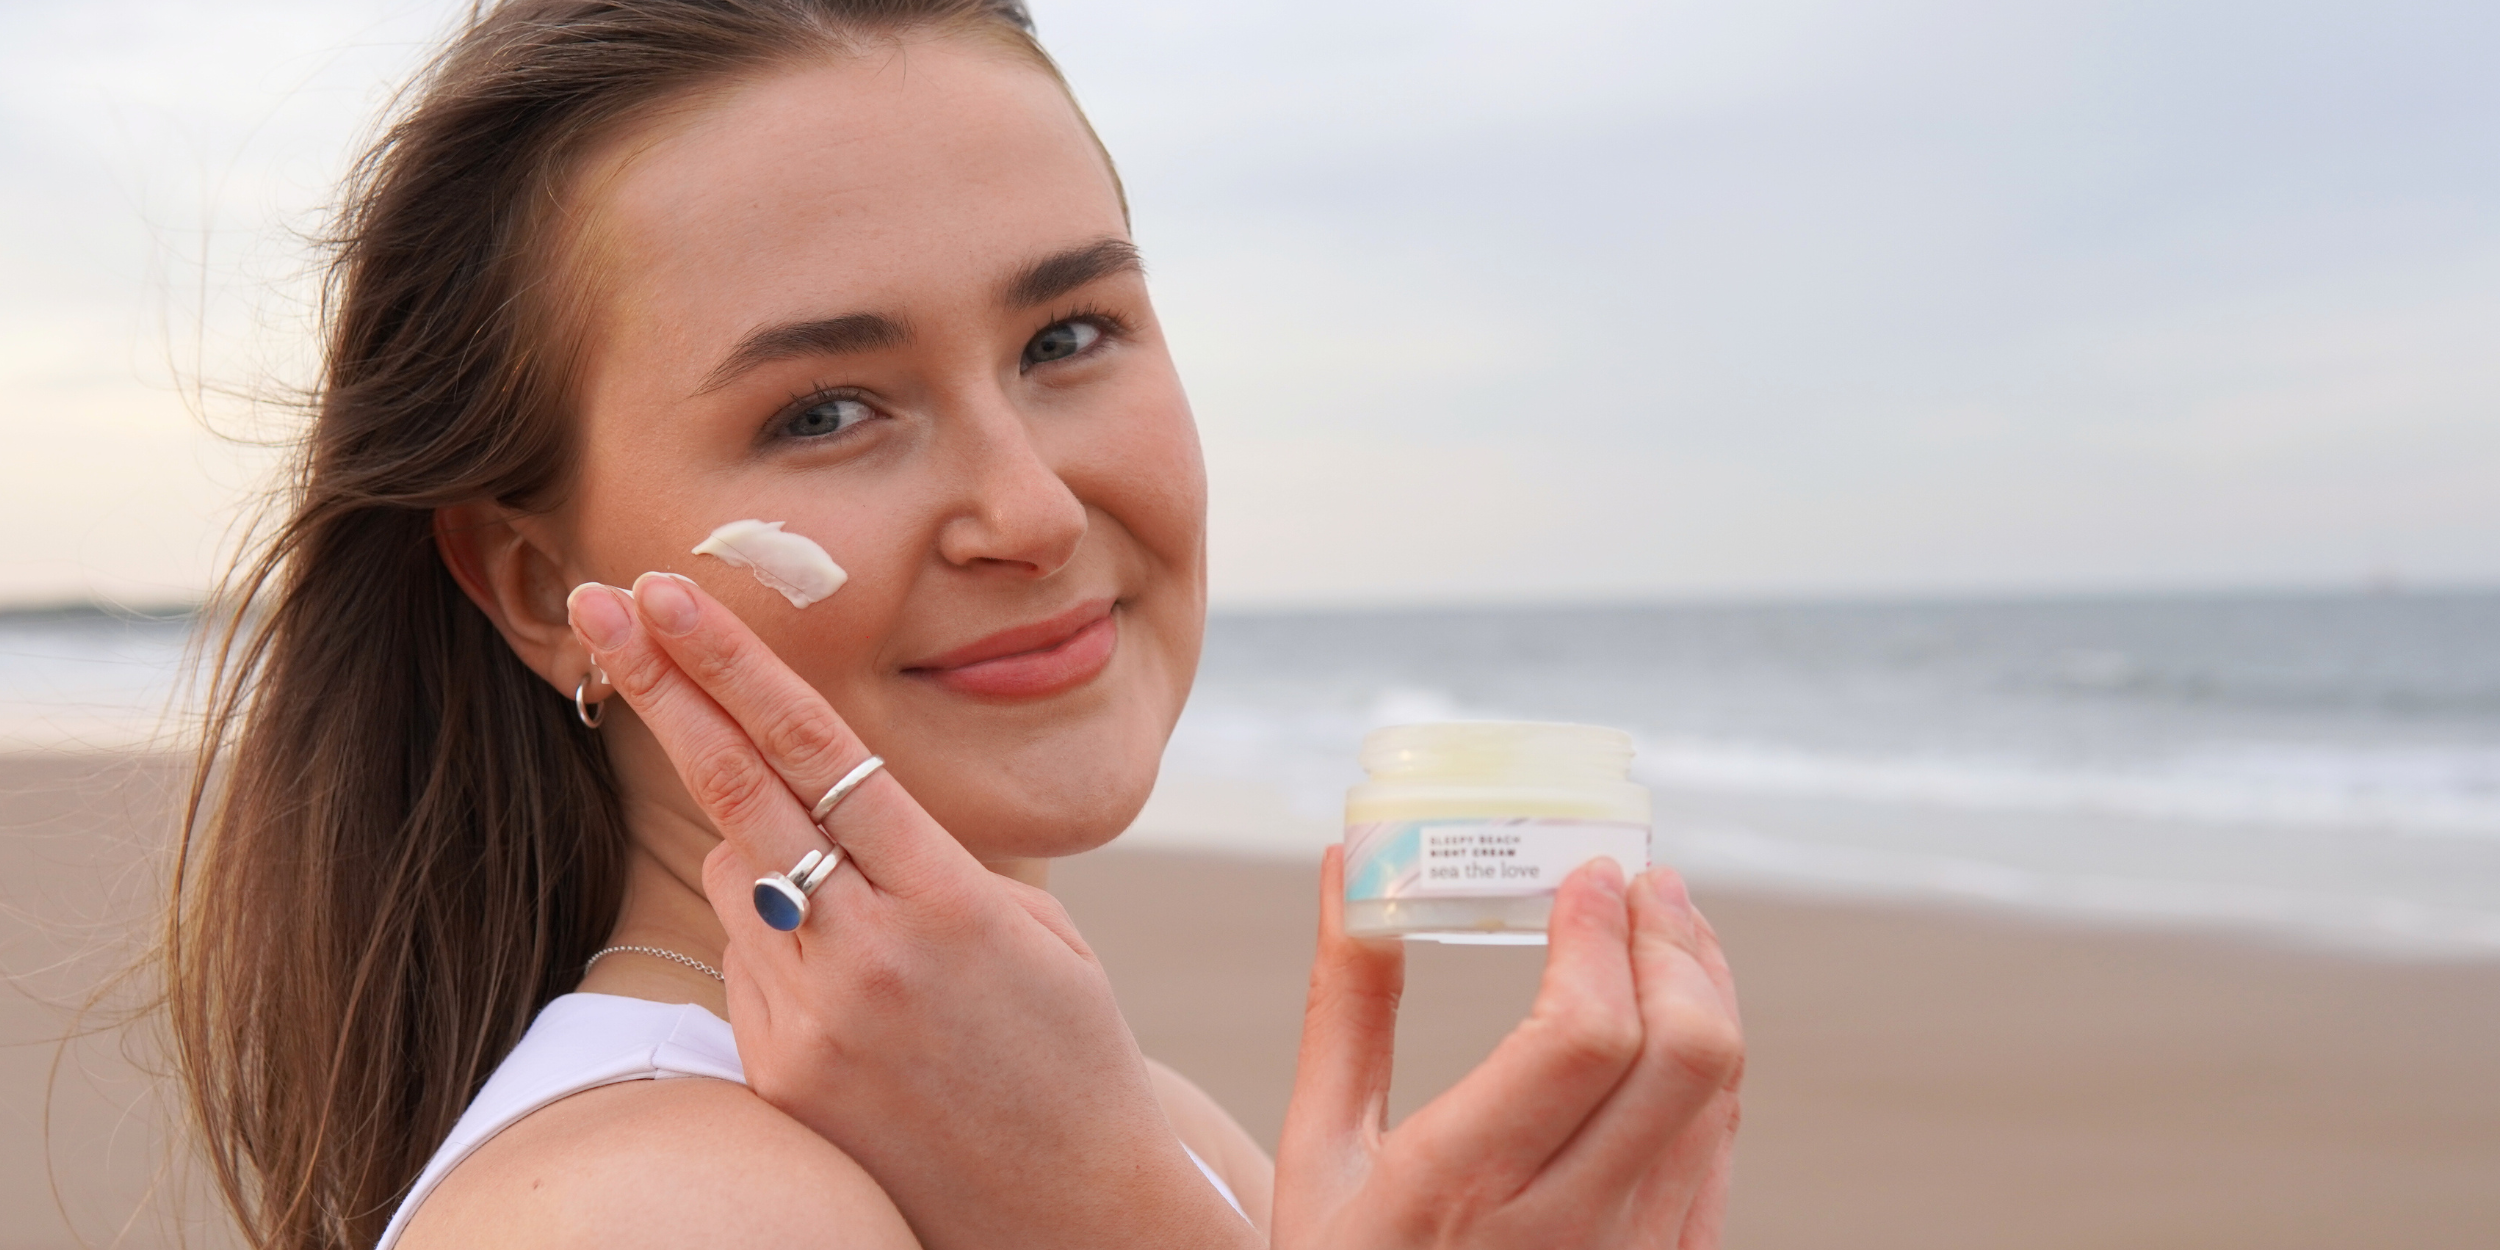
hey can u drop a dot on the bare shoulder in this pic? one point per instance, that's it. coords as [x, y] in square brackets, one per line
[1219, 1139]
[673, 1163]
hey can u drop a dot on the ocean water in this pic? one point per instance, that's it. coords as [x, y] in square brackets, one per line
[79, 679]
[2320, 768]
[2325, 768]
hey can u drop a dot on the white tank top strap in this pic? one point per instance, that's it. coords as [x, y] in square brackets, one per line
[583, 1041]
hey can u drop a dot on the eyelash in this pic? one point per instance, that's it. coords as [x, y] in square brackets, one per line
[1111, 322]
[1114, 327]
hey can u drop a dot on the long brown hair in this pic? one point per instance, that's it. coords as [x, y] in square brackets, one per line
[399, 842]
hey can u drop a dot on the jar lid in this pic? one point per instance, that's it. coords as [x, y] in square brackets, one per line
[1504, 751]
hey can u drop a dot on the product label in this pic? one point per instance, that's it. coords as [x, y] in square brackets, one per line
[1462, 857]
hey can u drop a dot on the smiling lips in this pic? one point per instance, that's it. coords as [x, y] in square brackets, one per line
[1031, 661]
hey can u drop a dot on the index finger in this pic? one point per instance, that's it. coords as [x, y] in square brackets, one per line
[1501, 1124]
[1692, 1055]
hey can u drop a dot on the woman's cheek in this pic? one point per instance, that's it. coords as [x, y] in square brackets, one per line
[834, 643]
[1172, 499]
[1146, 471]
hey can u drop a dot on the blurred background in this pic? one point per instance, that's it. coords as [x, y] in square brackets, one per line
[2028, 475]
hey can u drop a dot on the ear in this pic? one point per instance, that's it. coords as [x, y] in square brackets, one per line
[503, 560]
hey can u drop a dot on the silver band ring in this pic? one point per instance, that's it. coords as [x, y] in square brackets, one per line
[842, 789]
[781, 898]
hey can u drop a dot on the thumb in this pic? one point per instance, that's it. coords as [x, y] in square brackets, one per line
[1340, 1101]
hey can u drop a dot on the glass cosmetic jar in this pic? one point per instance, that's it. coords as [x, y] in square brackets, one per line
[1465, 829]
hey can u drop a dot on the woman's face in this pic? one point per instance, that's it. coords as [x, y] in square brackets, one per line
[890, 302]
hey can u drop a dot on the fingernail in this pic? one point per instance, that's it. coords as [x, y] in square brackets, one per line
[666, 604]
[1666, 885]
[602, 614]
[1609, 874]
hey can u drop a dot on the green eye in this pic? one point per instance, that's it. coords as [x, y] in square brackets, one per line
[1068, 338]
[830, 416]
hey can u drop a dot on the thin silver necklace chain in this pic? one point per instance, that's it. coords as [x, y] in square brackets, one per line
[688, 960]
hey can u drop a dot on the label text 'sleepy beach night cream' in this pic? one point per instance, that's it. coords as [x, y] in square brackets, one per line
[1465, 829]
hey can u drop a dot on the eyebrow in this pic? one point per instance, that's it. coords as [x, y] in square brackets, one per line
[1038, 283]
[1059, 273]
[831, 336]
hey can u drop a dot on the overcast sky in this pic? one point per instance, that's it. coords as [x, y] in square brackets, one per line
[1492, 302]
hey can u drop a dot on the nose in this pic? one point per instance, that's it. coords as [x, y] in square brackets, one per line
[1013, 510]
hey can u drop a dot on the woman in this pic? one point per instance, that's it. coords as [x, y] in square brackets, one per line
[620, 273]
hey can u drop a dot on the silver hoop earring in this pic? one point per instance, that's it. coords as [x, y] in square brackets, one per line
[591, 713]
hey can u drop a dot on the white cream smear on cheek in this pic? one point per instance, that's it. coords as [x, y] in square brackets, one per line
[790, 563]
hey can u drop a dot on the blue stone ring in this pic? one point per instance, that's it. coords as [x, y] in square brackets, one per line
[781, 899]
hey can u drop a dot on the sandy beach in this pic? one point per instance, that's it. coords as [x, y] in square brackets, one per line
[1926, 1078]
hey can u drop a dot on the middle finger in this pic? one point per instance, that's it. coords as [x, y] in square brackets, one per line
[798, 734]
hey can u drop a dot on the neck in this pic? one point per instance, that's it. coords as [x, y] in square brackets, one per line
[665, 907]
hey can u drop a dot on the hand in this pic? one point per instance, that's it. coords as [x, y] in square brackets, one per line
[941, 1024]
[1606, 1119]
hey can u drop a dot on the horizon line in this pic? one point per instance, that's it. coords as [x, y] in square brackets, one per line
[66, 608]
